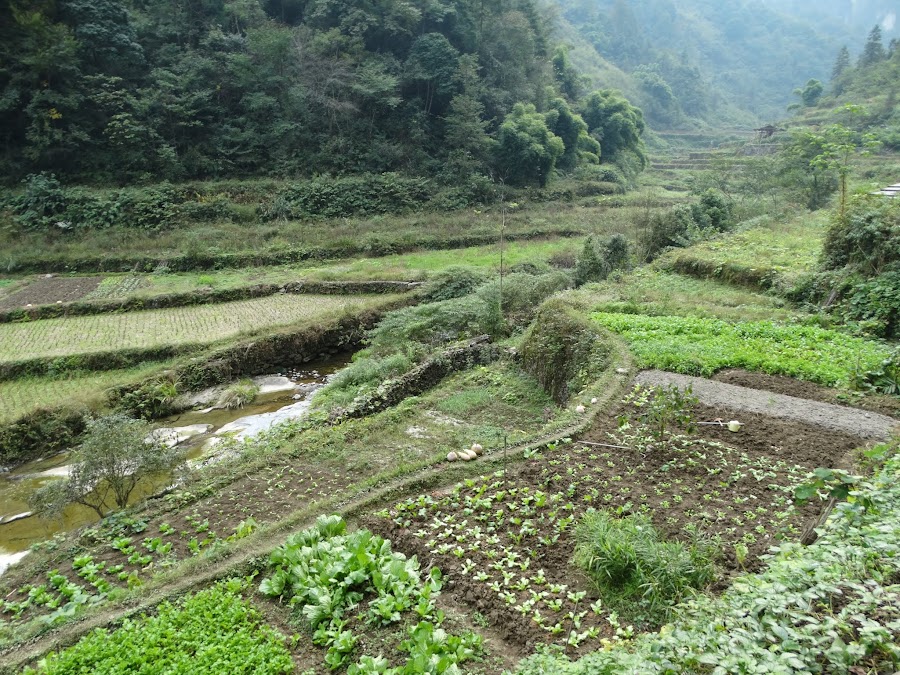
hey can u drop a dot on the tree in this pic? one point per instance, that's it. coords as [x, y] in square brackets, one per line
[116, 454]
[841, 63]
[565, 74]
[810, 93]
[432, 62]
[616, 124]
[874, 51]
[527, 150]
[573, 131]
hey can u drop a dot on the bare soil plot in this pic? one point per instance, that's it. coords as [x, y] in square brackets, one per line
[50, 291]
[886, 405]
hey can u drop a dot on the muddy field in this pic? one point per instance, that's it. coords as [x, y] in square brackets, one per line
[49, 291]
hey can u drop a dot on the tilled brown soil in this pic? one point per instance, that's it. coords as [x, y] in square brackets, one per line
[886, 405]
[735, 487]
[48, 291]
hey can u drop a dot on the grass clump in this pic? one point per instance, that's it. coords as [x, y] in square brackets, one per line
[212, 631]
[239, 394]
[697, 346]
[634, 571]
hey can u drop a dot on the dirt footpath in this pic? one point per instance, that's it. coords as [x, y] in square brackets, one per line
[868, 425]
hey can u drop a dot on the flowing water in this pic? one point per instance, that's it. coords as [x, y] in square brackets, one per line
[282, 397]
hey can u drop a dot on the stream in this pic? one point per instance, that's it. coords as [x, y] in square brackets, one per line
[282, 397]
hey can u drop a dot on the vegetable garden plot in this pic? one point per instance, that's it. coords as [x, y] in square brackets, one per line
[505, 539]
[202, 324]
[124, 551]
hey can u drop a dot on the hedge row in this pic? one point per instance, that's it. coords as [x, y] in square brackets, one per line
[762, 278]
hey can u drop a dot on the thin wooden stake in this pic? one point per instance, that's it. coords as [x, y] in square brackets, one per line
[604, 445]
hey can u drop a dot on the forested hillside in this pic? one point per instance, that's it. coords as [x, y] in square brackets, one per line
[166, 89]
[696, 61]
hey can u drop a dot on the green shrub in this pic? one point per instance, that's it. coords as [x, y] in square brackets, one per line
[452, 282]
[874, 305]
[366, 194]
[685, 224]
[867, 239]
[563, 350]
[42, 203]
[635, 572]
[212, 631]
[599, 259]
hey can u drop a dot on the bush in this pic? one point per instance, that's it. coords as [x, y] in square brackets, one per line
[867, 239]
[686, 224]
[563, 350]
[635, 572]
[42, 204]
[874, 305]
[452, 282]
[599, 259]
[116, 453]
[367, 194]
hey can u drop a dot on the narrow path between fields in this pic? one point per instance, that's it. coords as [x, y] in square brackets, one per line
[868, 425]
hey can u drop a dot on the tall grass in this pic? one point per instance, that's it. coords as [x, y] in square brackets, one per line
[635, 572]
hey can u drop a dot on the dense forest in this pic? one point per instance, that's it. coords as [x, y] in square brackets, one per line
[167, 89]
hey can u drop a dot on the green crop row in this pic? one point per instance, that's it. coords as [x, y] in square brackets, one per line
[704, 346]
[177, 327]
[212, 631]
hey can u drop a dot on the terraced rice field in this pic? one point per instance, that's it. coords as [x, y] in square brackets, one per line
[202, 324]
[22, 396]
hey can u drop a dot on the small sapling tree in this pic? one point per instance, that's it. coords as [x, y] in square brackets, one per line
[116, 454]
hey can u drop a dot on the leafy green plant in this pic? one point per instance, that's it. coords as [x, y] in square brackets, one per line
[698, 346]
[211, 631]
[325, 572]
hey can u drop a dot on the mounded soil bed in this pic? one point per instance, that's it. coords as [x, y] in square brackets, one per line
[735, 487]
[886, 405]
[50, 291]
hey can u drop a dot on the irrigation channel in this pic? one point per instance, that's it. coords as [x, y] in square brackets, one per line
[200, 433]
